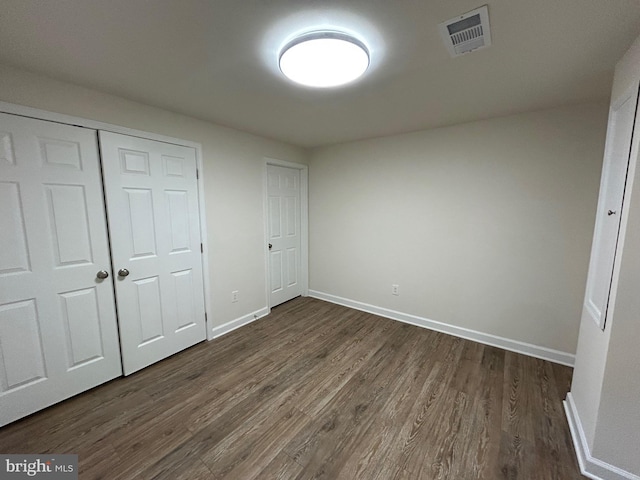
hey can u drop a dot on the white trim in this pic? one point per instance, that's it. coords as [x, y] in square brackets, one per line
[38, 114]
[304, 223]
[206, 278]
[238, 322]
[88, 123]
[589, 466]
[529, 349]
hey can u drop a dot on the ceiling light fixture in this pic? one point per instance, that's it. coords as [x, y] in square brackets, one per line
[324, 59]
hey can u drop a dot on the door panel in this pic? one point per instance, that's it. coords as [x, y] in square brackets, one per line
[152, 205]
[185, 313]
[178, 215]
[68, 222]
[22, 354]
[13, 254]
[149, 318]
[283, 206]
[292, 264]
[81, 321]
[610, 204]
[139, 220]
[58, 331]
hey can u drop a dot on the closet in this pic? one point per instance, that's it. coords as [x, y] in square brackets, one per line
[100, 259]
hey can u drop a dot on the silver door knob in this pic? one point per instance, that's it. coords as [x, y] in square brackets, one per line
[123, 272]
[102, 274]
[611, 212]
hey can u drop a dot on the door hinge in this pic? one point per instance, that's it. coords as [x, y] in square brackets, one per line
[201, 248]
[205, 316]
[197, 174]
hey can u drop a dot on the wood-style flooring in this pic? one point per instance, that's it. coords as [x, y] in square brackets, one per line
[318, 391]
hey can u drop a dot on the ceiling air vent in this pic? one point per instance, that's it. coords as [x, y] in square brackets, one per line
[467, 32]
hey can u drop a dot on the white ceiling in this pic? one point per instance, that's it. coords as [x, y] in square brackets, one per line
[216, 59]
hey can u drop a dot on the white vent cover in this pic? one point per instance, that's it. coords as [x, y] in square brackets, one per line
[467, 32]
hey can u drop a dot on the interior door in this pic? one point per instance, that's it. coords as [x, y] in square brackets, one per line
[58, 333]
[152, 206]
[610, 204]
[283, 205]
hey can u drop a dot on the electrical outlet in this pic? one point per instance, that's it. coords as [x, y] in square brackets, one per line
[395, 289]
[234, 296]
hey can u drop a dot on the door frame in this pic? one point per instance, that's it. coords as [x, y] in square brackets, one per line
[304, 224]
[634, 154]
[24, 111]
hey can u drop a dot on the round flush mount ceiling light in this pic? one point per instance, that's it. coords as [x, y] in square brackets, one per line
[324, 59]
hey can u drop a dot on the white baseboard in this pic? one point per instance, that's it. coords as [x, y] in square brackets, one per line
[589, 466]
[237, 323]
[529, 349]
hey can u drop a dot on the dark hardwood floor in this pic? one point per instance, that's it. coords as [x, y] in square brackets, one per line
[318, 391]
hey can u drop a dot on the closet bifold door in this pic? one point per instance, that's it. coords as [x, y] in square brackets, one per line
[58, 330]
[154, 225]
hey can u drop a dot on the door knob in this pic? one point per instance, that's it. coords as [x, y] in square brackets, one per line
[102, 274]
[123, 272]
[270, 246]
[611, 212]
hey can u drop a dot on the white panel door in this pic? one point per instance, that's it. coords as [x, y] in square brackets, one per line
[58, 331]
[283, 210]
[152, 207]
[610, 203]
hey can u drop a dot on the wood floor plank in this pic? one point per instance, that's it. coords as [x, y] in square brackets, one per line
[282, 467]
[96, 460]
[179, 464]
[516, 403]
[428, 413]
[342, 365]
[550, 418]
[278, 384]
[326, 446]
[483, 453]
[318, 391]
[251, 452]
[448, 437]
[390, 471]
[375, 452]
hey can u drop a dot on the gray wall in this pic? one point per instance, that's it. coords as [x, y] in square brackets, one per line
[485, 226]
